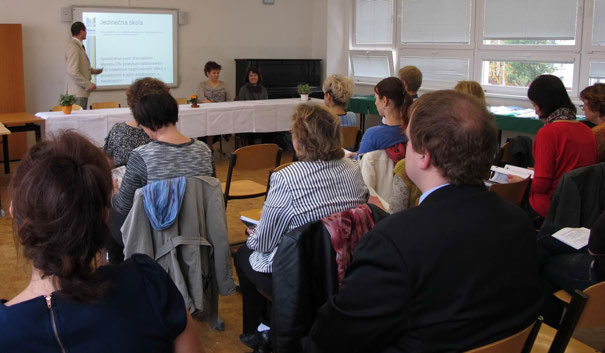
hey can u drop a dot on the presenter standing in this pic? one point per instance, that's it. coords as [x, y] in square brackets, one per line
[77, 81]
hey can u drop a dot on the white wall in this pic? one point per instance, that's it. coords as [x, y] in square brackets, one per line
[219, 30]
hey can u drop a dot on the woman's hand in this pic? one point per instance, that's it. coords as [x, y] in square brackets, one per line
[513, 179]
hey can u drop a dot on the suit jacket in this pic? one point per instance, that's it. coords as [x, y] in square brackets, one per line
[77, 80]
[456, 272]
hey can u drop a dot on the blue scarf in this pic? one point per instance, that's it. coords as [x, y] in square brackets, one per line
[162, 201]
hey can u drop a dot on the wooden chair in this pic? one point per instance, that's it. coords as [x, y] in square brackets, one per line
[57, 108]
[584, 312]
[520, 342]
[104, 105]
[351, 136]
[256, 212]
[252, 157]
[512, 192]
[181, 100]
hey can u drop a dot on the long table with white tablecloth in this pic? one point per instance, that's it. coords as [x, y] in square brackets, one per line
[209, 119]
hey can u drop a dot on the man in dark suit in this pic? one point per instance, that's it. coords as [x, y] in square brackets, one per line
[458, 271]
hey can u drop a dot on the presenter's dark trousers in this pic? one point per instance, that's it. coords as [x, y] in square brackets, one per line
[82, 101]
[255, 306]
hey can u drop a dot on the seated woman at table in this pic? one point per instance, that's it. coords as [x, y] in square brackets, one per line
[170, 154]
[563, 144]
[473, 88]
[253, 88]
[70, 303]
[391, 103]
[564, 267]
[338, 89]
[321, 183]
[125, 137]
[213, 90]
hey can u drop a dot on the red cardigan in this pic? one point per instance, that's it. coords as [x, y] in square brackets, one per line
[558, 148]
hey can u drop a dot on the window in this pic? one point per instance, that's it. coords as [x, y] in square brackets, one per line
[502, 44]
[439, 71]
[373, 22]
[436, 21]
[371, 66]
[597, 72]
[530, 22]
[516, 73]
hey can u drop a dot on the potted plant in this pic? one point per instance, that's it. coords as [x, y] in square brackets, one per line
[304, 90]
[193, 101]
[66, 101]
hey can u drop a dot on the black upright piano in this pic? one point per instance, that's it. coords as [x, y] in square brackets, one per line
[281, 76]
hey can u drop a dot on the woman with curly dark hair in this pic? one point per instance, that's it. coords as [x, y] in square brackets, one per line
[60, 203]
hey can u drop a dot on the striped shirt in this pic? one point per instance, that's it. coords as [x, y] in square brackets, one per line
[160, 160]
[304, 192]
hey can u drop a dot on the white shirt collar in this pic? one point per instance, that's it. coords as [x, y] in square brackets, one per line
[428, 192]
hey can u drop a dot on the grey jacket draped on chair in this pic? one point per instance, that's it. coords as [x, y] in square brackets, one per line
[194, 250]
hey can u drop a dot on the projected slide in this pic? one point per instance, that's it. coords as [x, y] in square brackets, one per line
[129, 45]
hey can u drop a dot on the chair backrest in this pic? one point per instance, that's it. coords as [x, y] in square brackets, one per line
[594, 311]
[521, 341]
[181, 100]
[58, 108]
[253, 157]
[569, 322]
[104, 105]
[512, 192]
[351, 136]
[503, 156]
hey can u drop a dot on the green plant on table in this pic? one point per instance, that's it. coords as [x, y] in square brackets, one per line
[304, 88]
[66, 100]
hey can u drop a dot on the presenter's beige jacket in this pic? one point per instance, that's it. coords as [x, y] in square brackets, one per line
[77, 81]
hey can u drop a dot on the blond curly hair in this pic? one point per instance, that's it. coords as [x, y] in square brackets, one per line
[340, 88]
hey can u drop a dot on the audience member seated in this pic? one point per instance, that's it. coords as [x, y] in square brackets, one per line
[593, 98]
[253, 88]
[125, 137]
[561, 145]
[338, 89]
[405, 193]
[473, 88]
[564, 267]
[61, 197]
[411, 77]
[213, 90]
[170, 154]
[321, 183]
[453, 273]
[390, 102]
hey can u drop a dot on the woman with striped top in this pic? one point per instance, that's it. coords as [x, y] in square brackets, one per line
[323, 182]
[170, 154]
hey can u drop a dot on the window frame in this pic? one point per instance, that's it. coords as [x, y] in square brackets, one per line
[585, 69]
[367, 80]
[539, 56]
[480, 22]
[435, 46]
[588, 20]
[353, 40]
[441, 54]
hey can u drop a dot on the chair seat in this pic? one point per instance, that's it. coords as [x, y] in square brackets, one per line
[563, 296]
[241, 188]
[546, 336]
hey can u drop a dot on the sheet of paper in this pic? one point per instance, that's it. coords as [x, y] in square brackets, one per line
[519, 170]
[577, 238]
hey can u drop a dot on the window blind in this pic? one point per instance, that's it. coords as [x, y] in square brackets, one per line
[597, 70]
[370, 66]
[530, 19]
[439, 72]
[436, 21]
[374, 22]
[598, 23]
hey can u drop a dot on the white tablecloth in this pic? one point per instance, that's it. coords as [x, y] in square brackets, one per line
[209, 119]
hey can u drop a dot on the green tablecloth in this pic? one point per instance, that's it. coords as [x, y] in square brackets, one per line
[365, 105]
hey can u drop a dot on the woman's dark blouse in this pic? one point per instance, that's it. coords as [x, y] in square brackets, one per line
[121, 140]
[142, 311]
